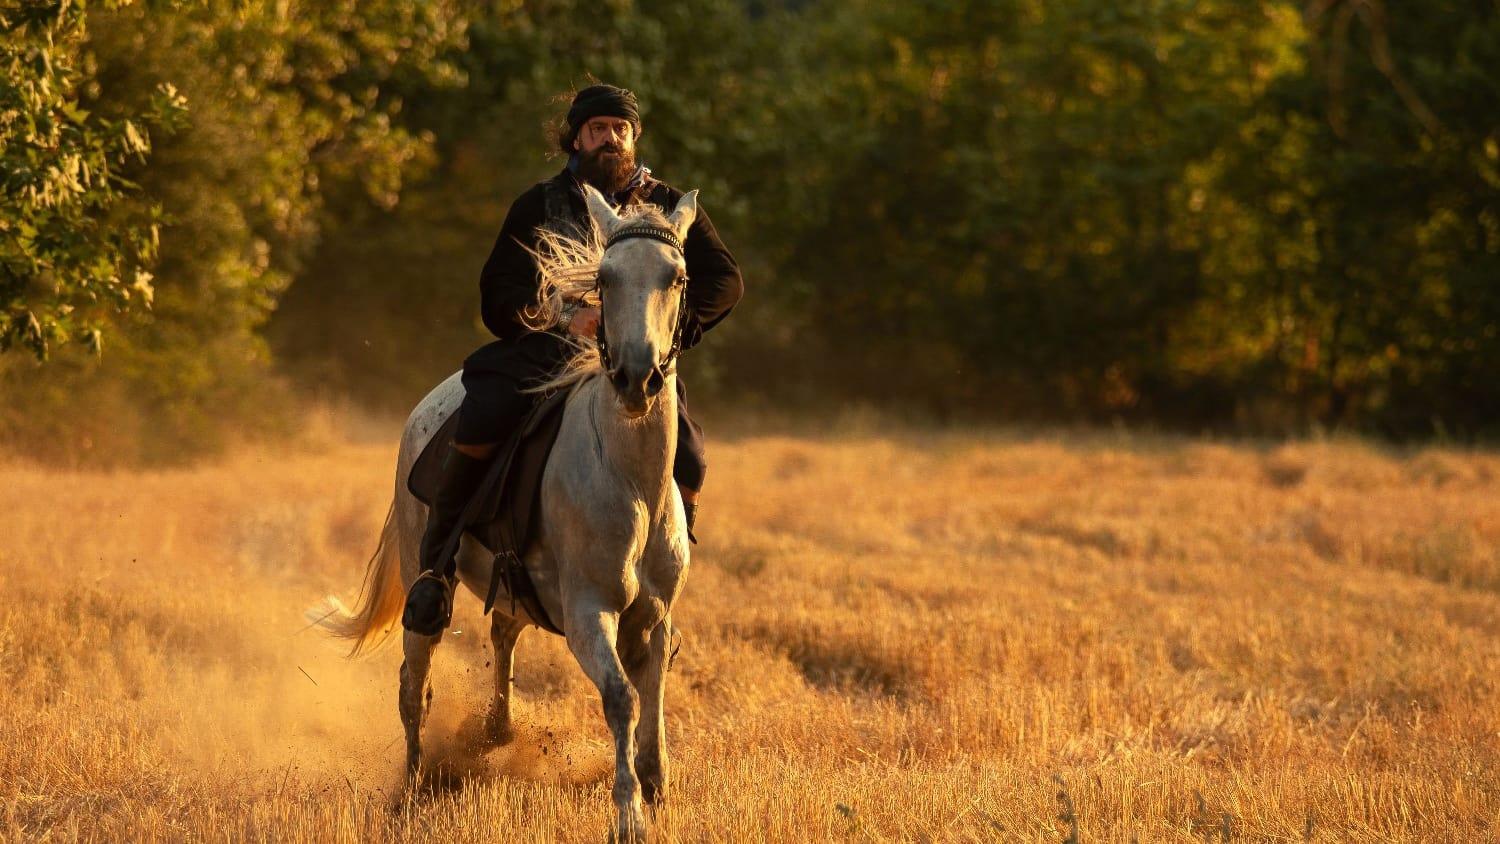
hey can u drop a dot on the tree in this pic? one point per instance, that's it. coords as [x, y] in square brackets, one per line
[77, 238]
[293, 106]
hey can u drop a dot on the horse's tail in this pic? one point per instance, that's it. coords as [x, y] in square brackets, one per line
[380, 600]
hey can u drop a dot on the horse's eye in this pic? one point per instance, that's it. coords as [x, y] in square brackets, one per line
[679, 280]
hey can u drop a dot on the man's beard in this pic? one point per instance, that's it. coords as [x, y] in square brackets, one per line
[609, 175]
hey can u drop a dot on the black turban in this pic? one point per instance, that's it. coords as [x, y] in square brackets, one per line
[603, 101]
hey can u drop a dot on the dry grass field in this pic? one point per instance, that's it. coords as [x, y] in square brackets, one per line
[888, 636]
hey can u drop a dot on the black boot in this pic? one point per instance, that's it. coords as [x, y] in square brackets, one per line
[429, 604]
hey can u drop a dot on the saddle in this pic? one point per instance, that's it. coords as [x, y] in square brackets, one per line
[502, 513]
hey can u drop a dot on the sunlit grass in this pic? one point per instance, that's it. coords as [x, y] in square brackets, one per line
[887, 636]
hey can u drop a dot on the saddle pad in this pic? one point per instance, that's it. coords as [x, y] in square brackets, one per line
[502, 513]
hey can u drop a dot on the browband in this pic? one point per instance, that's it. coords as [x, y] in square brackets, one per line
[651, 232]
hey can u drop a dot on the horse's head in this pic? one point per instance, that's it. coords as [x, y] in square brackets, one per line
[642, 287]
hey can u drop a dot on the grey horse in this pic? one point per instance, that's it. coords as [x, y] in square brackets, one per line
[611, 554]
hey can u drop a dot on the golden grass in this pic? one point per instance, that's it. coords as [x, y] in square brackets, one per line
[887, 637]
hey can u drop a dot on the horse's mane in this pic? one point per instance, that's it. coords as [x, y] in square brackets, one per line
[569, 266]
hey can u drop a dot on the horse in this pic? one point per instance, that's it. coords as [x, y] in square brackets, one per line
[610, 556]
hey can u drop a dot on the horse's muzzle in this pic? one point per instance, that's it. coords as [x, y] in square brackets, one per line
[637, 384]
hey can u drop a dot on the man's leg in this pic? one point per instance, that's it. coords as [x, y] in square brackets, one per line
[691, 466]
[494, 404]
[482, 451]
[491, 410]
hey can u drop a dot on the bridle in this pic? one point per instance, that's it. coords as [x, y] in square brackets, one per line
[665, 235]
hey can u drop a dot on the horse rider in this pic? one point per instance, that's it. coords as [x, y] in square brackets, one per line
[602, 127]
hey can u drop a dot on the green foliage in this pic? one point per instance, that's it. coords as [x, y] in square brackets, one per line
[1200, 213]
[75, 237]
[1266, 215]
[1022, 167]
[292, 107]
[404, 281]
[1364, 194]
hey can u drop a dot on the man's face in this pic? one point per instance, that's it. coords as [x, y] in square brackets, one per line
[605, 132]
[606, 152]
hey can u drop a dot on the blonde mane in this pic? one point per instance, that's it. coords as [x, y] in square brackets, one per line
[569, 266]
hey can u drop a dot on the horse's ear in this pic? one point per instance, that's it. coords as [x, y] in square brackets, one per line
[684, 214]
[604, 216]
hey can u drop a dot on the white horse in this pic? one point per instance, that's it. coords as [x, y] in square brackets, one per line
[611, 554]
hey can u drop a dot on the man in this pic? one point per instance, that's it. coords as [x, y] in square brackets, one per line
[603, 125]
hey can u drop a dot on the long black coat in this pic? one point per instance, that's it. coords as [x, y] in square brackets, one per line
[496, 375]
[510, 279]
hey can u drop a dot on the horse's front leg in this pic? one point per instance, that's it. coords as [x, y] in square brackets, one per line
[504, 633]
[649, 674]
[592, 635]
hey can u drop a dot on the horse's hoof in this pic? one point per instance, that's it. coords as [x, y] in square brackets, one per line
[653, 781]
[632, 827]
[498, 731]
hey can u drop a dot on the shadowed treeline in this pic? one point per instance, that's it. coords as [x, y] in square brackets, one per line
[1263, 215]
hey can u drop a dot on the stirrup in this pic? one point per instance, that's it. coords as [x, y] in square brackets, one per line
[674, 644]
[690, 515]
[429, 574]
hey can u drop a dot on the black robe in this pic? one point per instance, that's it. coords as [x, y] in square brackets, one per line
[510, 279]
[496, 375]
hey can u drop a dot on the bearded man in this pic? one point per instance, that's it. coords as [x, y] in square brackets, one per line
[602, 127]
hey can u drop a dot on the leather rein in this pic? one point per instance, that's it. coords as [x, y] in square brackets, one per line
[670, 238]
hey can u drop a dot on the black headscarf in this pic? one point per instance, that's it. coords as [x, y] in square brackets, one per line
[603, 101]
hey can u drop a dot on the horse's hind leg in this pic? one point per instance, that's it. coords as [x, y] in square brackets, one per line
[504, 632]
[416, 694]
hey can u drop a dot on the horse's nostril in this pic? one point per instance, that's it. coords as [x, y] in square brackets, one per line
[620, 379]
[655, 382]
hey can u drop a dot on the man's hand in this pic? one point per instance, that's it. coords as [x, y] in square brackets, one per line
[585, 322]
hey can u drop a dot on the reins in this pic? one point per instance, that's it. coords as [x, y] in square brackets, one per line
[650, 232]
